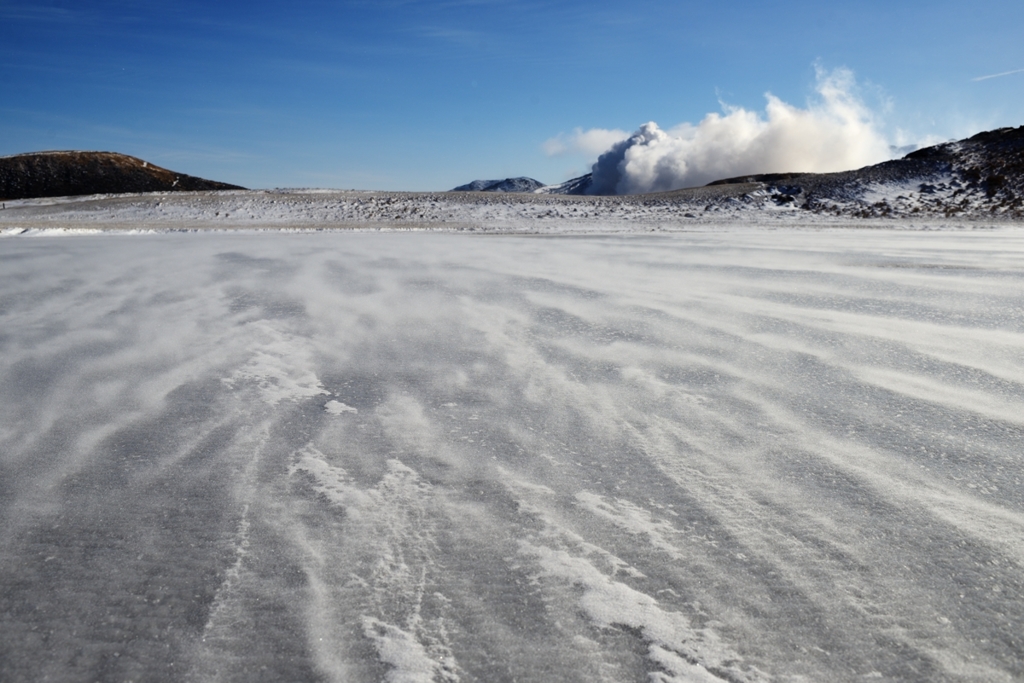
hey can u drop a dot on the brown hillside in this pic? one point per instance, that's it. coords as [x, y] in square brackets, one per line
[62, 174]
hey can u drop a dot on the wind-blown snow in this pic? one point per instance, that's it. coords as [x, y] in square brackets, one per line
[773, 455]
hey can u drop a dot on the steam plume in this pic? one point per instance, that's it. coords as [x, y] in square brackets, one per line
[835, 133]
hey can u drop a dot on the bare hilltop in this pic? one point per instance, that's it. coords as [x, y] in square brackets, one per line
[66, 174]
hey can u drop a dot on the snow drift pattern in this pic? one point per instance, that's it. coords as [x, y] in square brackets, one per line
[836, 134]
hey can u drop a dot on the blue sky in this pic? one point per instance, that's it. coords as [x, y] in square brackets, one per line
[421, 95]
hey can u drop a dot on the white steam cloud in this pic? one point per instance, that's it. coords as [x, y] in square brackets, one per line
[837, 132]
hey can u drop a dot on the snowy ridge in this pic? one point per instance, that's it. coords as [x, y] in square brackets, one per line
[578, 185]
[521, 184]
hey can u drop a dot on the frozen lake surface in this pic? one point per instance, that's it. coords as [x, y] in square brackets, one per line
[741, 456]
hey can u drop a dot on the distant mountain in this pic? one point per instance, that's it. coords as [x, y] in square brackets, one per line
[575, 186]
[521, 184]
[62, 174]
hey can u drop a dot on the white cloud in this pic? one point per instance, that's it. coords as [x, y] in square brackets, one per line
[590, 143]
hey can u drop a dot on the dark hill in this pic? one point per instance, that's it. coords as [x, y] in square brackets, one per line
[63, 174]
[982, 174]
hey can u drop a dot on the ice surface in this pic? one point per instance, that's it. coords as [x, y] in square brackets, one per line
[736, 455]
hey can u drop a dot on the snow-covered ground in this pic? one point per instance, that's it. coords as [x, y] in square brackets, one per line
[733, 455]
[755, 205]
[319, 210]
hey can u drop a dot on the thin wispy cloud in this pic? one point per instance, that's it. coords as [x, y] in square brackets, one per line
[36, 12]
[591, 143]
[1005, 73]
